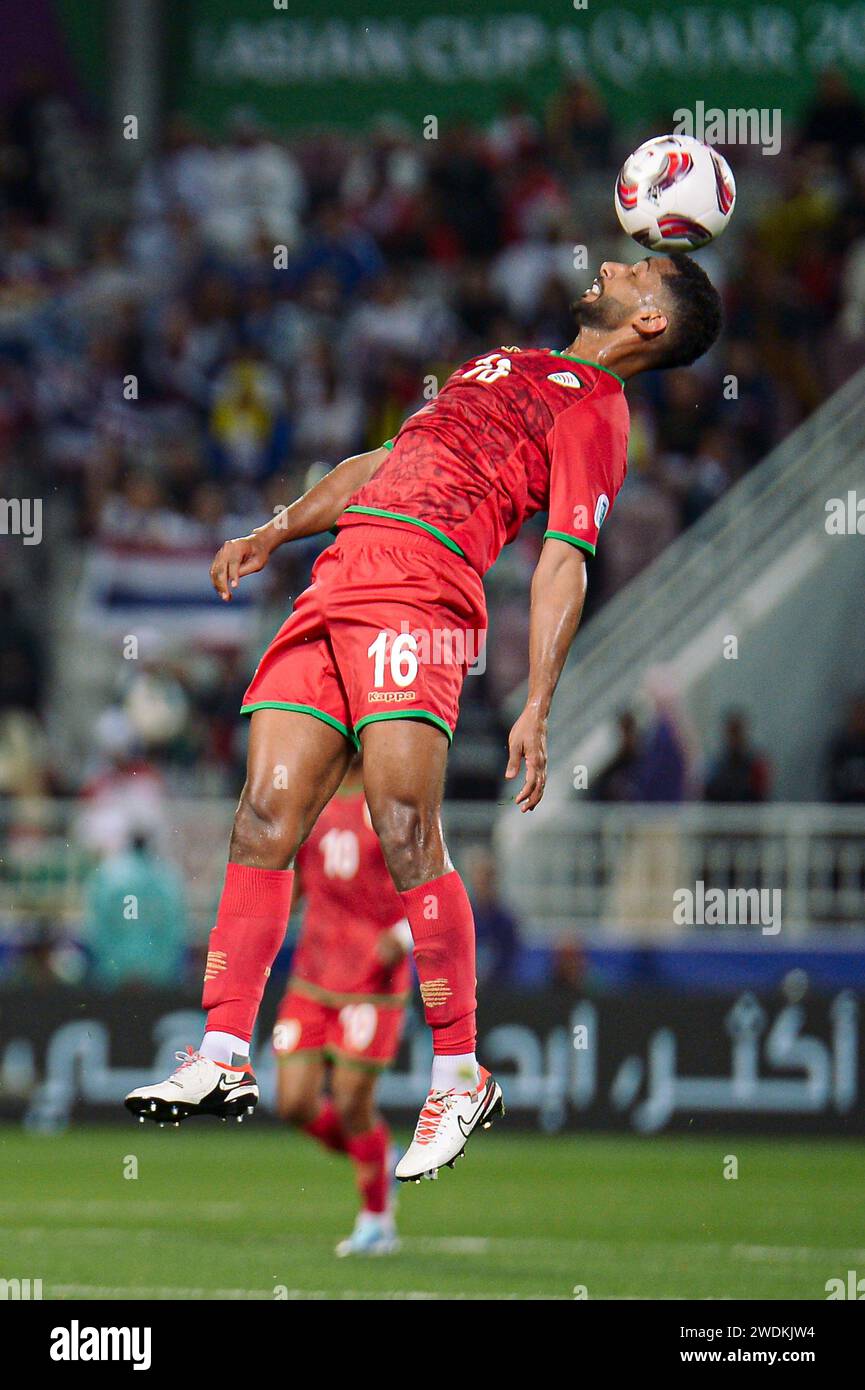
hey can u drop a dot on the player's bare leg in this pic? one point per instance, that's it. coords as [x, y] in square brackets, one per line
[300, 1080]
[295, 763]
[404, 771]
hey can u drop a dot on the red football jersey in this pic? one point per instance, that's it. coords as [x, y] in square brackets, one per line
[349, 900]
[510, 434]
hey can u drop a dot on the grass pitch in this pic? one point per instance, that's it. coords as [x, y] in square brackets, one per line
[220, 1212]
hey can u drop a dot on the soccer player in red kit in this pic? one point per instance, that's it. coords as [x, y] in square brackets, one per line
[344, 1004]
[376, 650]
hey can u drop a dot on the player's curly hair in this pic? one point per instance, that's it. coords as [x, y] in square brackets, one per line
[697, 317]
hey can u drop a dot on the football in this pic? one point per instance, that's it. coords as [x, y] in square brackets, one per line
[675, 194]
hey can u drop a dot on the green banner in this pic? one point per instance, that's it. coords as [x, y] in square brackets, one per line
[302, 63]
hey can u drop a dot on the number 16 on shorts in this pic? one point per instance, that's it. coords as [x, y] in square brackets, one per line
[416, 674]
[400, 664]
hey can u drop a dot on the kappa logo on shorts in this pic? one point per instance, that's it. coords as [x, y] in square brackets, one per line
[390, 697]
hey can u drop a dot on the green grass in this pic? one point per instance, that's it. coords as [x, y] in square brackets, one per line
[220, 1212]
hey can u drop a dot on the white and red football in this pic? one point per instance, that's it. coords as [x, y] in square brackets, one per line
[675, 194]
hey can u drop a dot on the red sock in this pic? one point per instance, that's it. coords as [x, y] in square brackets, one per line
[441, 921]
[250, 928]
[327, 1128]
[369, 1154]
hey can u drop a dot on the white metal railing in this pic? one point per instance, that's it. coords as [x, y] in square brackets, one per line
[642, 869]
[596, 868]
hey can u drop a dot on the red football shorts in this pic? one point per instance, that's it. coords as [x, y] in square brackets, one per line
[387, 629]
[359, 1031]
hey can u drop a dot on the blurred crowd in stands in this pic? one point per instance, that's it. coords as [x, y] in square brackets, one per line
[184, 349]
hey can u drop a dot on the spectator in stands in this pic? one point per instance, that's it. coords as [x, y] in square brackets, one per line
[476, 304]
[37, 115]
[464, 190]
[682, 400]
[24, 755]
[645, 520]
[618, 781]
[139, 512]
[666, 756]
[249, 430]
[496, 928]
[836, 120]
[258, 187]
[846, 759]
[580, 127]
[135, 919]
[380, 179]
[851, 319]
[521, 273]
[339, 247]
[45, 958]
[741, 772]
[396, 317]
[125, 796]
[515, 131]
[183, 176]
[709, 473]
[752, 412]
[21, 665]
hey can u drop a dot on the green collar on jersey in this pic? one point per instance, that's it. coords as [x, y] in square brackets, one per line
[584, 361]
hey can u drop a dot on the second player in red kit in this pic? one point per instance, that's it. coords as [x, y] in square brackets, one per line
[346, 955]
[340, 1020]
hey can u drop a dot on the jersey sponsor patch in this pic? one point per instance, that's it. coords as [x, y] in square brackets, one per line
[565, 379]
[602, 506]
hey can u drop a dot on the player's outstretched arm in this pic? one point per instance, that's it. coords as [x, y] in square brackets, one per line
[314, 512]
[558, 593]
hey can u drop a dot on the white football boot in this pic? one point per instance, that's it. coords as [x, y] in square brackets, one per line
[374, 1234]
[447, 1121]
[198, 1087]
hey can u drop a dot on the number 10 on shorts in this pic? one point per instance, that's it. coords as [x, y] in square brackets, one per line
[403, 658]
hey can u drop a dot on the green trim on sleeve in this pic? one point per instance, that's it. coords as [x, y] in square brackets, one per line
[412, 521]
[572, 540]
[304, 709]
[426, 715]
[388, 444]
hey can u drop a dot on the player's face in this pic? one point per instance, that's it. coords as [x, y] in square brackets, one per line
[621, 292]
